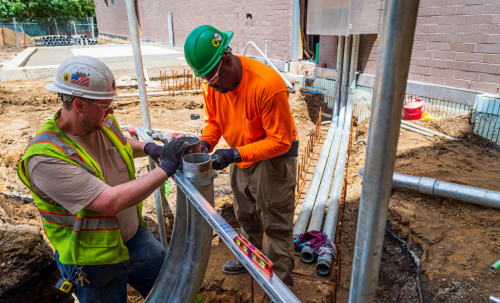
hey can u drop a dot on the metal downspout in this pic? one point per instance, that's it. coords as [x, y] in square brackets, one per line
[396, 40]
[338, 78]
[171, 265]
[345, 80]
[324, 262]
[134, 36]
[198, 170]
[429, 186]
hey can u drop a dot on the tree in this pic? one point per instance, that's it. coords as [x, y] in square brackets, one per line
[34, 9]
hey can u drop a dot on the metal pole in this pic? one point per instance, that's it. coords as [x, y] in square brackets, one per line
[91, 21]
[396, 40]
[15, 29]
[295, 30]
[170, 29]
[139, 70]
[55, 23]
[158, 201]
[338, 78]
[354, 59]
[266, 49]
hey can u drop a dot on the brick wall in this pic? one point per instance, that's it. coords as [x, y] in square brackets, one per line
[112, 19]
[328, 51]
[457, 44]
[271, 20]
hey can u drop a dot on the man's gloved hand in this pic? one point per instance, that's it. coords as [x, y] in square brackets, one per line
[154, 151]
[222, 158]
[172, 156]
[205, 147]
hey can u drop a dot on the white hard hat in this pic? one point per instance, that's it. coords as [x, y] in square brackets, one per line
[84, 76]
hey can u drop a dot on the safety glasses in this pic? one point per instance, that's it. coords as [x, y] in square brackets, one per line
[104, 107]
[215, 78]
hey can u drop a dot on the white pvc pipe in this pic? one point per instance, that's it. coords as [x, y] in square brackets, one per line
[161, 93]
[416, 130]
[427, 130]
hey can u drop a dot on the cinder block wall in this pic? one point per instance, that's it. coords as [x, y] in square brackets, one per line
[271, 20]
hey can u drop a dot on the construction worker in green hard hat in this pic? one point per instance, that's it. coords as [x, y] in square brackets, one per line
[246, 102]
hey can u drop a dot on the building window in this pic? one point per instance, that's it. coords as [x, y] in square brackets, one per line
[106, 3]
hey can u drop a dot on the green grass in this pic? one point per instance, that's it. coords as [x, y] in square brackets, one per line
[200, 299]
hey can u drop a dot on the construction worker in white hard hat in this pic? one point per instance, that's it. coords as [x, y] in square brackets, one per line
[80, 170]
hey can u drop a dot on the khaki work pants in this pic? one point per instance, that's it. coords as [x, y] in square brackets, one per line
[264, 196]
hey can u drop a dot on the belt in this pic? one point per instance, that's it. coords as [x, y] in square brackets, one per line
[293, 151]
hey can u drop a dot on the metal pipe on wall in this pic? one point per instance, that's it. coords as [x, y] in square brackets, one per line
[338, 78]
[396, 40]
[197, 169]
[430, 186]
[170, 29]
[345, 79]
[295, 30]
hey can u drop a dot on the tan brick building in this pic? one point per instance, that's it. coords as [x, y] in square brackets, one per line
[457, 42]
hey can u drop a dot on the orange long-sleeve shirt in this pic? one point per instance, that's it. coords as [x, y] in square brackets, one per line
[255, 118]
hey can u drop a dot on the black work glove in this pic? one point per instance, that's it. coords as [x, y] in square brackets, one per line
[205, 147]
[154, 151]
[172, 156]
[222, 158]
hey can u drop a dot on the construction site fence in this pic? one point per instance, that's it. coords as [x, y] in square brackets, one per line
[29, 28]
[363, 97]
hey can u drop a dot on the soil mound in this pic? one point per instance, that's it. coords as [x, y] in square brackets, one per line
[8, 37]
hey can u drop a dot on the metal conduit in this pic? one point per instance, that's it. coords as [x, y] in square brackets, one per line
[319, 207]
[312, 192]
[429, 186]
[345, 80]
[396, 40]
[324, 262]
[198, 170]
[338, 78]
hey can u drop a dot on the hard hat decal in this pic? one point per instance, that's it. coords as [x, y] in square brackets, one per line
[65, 77]
[215, 42]
[218, 37]
[81, 75]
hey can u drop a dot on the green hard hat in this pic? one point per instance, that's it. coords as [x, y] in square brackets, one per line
[204, 47]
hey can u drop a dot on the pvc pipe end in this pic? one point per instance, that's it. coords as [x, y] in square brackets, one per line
[307, 255]
[324, 264]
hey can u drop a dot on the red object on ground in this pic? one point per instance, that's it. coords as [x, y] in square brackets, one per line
[323, 65]
[413, 109]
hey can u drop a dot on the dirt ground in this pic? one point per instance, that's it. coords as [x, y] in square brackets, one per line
[8, 37]
[455, 243]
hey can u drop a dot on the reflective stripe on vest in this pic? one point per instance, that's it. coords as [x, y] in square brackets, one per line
[81, 224]
[110, 123]
[70, 151]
